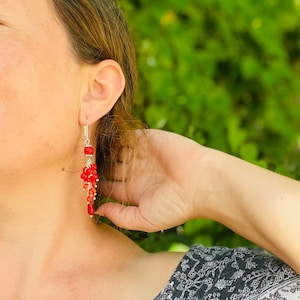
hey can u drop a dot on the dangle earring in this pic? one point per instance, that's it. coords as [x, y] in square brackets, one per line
[89, 173]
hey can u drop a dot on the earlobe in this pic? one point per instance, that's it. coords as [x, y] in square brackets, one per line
[105, 84]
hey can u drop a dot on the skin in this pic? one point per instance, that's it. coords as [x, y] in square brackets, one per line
[49, 247]
[259, 204]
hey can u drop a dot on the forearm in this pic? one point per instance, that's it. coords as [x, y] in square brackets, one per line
[258, 204]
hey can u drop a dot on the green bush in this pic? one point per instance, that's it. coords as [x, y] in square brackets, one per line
[226, 74]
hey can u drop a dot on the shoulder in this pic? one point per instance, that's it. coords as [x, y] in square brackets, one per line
[224, 273]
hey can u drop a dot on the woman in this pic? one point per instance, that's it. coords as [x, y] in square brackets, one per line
[67, 77]
[62, 65]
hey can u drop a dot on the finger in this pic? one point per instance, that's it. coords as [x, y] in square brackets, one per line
[115, 190]
[127, 217]
[123, 192]
[116, 172]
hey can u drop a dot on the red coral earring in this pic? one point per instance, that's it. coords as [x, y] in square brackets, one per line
[89, 174]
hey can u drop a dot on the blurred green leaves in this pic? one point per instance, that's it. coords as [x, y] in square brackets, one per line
[225, 73]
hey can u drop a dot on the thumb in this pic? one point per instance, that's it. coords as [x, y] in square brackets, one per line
[127, 217]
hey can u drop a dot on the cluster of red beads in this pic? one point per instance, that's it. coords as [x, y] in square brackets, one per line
[90, 178]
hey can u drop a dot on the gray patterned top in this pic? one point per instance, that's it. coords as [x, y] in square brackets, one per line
[220, 273]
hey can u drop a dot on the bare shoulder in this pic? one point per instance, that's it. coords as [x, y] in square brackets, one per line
[113, 268]
[140, 276]
[153, 271]
[122, 270]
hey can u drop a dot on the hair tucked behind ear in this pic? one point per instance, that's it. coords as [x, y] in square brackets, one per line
[98, 31]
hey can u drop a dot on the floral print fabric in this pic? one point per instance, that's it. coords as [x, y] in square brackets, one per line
[220, 273]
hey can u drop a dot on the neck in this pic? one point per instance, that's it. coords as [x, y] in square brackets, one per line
[48, 239]
[40, 212]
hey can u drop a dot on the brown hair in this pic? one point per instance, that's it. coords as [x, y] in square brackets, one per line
[98, 31]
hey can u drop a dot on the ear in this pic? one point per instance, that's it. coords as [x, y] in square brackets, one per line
[105, 83]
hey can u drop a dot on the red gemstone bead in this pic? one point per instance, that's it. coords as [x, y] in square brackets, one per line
[94, 177]
[93, 167]
[88, 150]
[89, 171]
[84, 176]
[94, 184]
[90, 208]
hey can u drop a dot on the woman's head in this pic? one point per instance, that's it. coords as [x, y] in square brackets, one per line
[46, 49]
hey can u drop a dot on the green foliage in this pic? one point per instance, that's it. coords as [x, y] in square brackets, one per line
[226, 74]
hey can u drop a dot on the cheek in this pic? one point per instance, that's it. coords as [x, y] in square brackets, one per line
[38, 109]
[11, 108]
[17, 104]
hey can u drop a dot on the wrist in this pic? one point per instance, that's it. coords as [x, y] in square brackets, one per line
[206, 180]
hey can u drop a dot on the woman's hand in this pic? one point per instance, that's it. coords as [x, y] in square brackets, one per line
[160, 186]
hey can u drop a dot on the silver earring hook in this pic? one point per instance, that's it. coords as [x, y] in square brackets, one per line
[86, 133]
